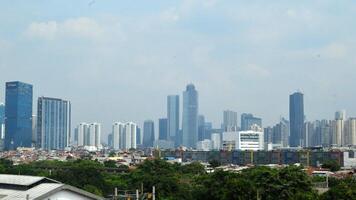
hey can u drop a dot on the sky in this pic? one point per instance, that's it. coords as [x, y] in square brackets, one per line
[118, 60]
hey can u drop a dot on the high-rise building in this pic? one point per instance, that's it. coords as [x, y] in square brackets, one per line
[95, 134]
[18, 115]
[201, 127]
[138, 136]
[163, 129]
[2, 121]
[208, 129]
[350, 131]
[325, 132]
[83, 134]
[53, 123]
[338, 129]
[118, 135]
[148, 133]
[190, 116]
[296, 117]
[248, 120]
[173, 118]
[230, 121]
[130, 136]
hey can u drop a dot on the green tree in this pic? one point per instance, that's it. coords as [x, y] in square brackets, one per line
[333, 165]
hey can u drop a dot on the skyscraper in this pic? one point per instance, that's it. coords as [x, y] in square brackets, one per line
[230, 121]
[201, 127]
[190, 116]
[130, 136]
[83, 134]
[2, 121]
[53, 123]
[148, 133]
[248, 120]
[95, 134]
[162, 129]
[118, 135]
[296, 117]
[18, 115]
[173, 118]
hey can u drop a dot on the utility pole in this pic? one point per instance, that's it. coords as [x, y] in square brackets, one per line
[115, 194]
[153, 193]
[137, 195]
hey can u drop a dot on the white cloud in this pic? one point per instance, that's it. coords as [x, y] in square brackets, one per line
[254, 70]
[79, 27]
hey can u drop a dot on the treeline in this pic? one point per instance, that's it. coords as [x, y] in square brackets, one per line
[175, 181]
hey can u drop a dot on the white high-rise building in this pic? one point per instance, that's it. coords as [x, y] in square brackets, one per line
[350, 131]
[83, 130]
[118, 131]
[124, 135]
[94, 134]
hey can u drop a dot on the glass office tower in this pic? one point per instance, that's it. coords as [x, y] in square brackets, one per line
[190, 116]
[296, 117]
[53, 123]
[18, 115]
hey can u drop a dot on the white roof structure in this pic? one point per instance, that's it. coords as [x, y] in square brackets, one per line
[16, 187]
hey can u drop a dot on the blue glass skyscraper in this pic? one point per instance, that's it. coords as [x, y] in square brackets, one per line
[190, 116]
[53, 123]
[18, 115]
[148, 133]
[162, 129]
[296, 117]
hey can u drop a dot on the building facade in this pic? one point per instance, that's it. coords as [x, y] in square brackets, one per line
[190, 116]
[230, 121]
[163, 129]
[173, 118]
[53, 123]
[148, 133]
[18, 115]
[296, 117]
[248, 121]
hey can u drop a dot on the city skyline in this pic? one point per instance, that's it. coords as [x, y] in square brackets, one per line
[217, 45]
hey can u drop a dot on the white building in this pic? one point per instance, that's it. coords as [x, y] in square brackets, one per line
[95, 134]
[250, 140]
[117, 132]
[83, 130]
[216, 141]
[89, 134]
[204, 145]
[124, 135]
[39, 188]
[243, 140]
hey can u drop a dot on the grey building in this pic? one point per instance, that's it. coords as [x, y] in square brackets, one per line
[201, 127]
[229, 121]
[53, 123]
[173, 118]
[148, 133]
[296, 117]
[248, 120]
[163, 129]
[190, 116]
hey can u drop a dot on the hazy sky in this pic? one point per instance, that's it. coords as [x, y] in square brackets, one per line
[117, 60]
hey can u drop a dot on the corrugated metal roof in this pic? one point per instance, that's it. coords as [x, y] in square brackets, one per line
[38, 191]
[19, 180]
[33, 193]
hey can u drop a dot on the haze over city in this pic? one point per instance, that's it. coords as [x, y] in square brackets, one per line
[118, 60]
